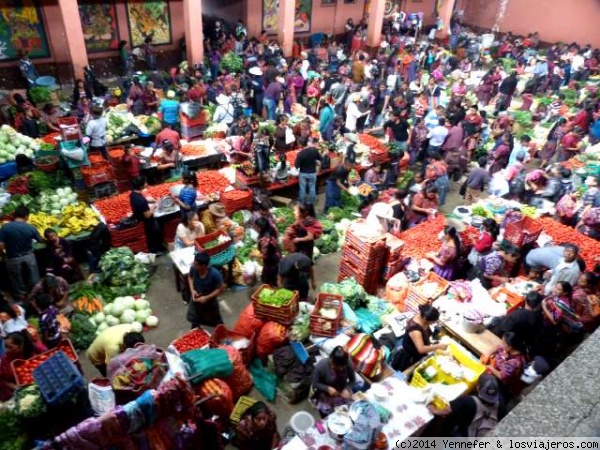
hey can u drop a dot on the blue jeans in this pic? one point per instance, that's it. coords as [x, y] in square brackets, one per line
[333, 195]
[270, 107]
[443, 184]
[308, 182]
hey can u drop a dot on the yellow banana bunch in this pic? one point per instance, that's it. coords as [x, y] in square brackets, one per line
[78, 217]
[42, 221]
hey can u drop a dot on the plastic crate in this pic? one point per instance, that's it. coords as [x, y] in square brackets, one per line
[232, 205]
[181, 347]
[223, 336]
[242, 405]
[64, 345]
[202, 240]
[102, 190]
[361, 243]
[465, 359]
[120, 238]
[58, 378]
[69, 128]
[522, 232]
[322, 326]
[284, 314]
[513, 300]
[116, 154]
[98, 174]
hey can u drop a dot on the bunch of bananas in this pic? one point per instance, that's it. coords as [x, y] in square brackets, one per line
[42, 221]
[77, 218]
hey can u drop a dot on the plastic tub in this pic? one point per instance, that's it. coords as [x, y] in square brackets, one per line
[46, 81]
[301, 422]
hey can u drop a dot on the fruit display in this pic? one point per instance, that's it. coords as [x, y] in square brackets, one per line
[13, 143]
[77, 218]
[53, 201]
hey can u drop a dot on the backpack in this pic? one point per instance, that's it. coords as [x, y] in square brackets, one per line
[486, 418]
[516, 186]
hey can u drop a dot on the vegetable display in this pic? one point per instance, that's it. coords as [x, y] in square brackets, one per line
[353, 293]
[423, 238]
[589, 248]
[125, 310]
[275, 297]
[24, 368]
[191, 340]
[13, 143]
[121, 269]
[284, 217]
[211, 181]
[13, 437]
[83, 331]
[29, 402]
[479, 210]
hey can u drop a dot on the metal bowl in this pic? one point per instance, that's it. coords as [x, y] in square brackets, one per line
[338, 425]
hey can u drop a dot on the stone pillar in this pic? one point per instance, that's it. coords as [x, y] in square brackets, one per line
[285, 21]
[192, 19]
[69, 11]
[375, 23]
[446, 10]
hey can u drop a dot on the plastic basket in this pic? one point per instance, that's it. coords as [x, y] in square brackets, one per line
[462, 356]
[50, 166]
[181, 347]
[284, 314]
[522, 232]
[232, 205]
[98, 174]
[223, 336]
[18, 365]
[58, 378]
[225, 257]
[202, 240]
[322, 326]
[513, 300]
[242, 405]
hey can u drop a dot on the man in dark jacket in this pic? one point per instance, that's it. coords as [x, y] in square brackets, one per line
[507, 90]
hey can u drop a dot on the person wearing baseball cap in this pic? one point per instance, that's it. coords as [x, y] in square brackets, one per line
[464, 414]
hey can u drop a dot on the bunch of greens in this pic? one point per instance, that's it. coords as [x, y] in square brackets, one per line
[82, 332]
[11, 430]
[40, 94]
[571, 97]
[21, 200]
[327, 243]
[350, 202]
[243, 253]
[122, 270]
[335, 213]
[275, 297]
[29, 402]
[353, 293]
[524, 118]
[232, 63]
[508, 64]
[378, 306]
[284, 217]
[405, 180]
[479, 210]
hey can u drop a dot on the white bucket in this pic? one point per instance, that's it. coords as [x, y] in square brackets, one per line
[301, 422]
[487, 40]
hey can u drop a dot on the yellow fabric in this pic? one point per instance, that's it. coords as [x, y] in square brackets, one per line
[208, 221]
[108, 344]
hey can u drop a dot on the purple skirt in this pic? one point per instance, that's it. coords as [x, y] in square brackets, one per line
[446, 272]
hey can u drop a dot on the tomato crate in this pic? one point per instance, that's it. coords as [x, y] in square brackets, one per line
[58, 378]
[284, 314]
[513, 300]
[363, 263]
[23, 369]
[323, 326]
[98, 174]
[192, 340]
[69, 128]
[223, 336]
[523, 232]
[233, 204]
[203, 240]
[362, 243]
[121, 237]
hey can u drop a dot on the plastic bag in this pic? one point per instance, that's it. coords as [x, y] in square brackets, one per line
[142, 351]
[248, 323]
[138, 369]
[249, 273]
[240, 380]
[396, 290]
[222, 404]
[265, 382]
[271, 336]
[145, 258]
[77, 154]
[207, 363]
[101, 395]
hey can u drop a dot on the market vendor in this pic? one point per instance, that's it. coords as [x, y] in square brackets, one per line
[50, 116]
[54, 287]
[464, 413]
[59, 251]
[484, 243]
[188, 194]
[301, 235]
[295, 270]
[188, 230]
[491, 268]
[167, 133]
[205, 284]
[507, 364]
[332, 382]
[257, 429]
[446, 259]
[424, 204]
[416, 341]
[268, 251]
[241, 147]
[110, 342]
[373, 175]
[143, 208]
[169, 109]
[169, 157]
[567, 269]
[337, 183]
[215, 218]
[17, 345]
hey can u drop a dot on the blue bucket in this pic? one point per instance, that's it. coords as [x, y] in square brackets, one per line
[46, 81]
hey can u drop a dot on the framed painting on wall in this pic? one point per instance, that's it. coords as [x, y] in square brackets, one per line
[302, 19]
[22, 28]
[149, 18]
[99, 23]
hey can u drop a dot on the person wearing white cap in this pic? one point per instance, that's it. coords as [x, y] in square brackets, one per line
[224, 112]
[258, 89]
[353, 113]
[169, 108]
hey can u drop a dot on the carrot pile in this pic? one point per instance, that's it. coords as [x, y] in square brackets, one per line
[50, 138]
[88, 305]
[589, 248]
[211, 181]
[193, 149]
[373, 143]
[422, 238]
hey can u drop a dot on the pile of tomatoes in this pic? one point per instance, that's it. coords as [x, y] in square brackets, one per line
[23, 369]
[191, 340]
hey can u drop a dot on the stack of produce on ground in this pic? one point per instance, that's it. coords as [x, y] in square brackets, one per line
[275, 297]
[123, 273]
[354, 294]
[13, 143]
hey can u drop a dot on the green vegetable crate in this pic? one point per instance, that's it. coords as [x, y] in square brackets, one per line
[284, 314]
[327, 315]
[201, 242]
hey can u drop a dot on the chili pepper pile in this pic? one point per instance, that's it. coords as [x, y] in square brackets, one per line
[191, 340]
[589, 248]
[291, 157]
[210, 182]
[422, 238]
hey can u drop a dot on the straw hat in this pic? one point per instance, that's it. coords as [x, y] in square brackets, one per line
[217, 209]
[170, 94]
[255, 71]
[222, 99]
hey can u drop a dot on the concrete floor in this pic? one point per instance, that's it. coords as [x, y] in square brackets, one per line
[171, 310]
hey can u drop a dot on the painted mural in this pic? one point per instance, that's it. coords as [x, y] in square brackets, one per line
[99, 23]
[22, 28]
[149, 18]
[303, 16]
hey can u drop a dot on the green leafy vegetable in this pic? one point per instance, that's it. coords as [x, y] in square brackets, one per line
[275, 297]
[479, 210]
[123, 271]
[82, 331]
[29, 402]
